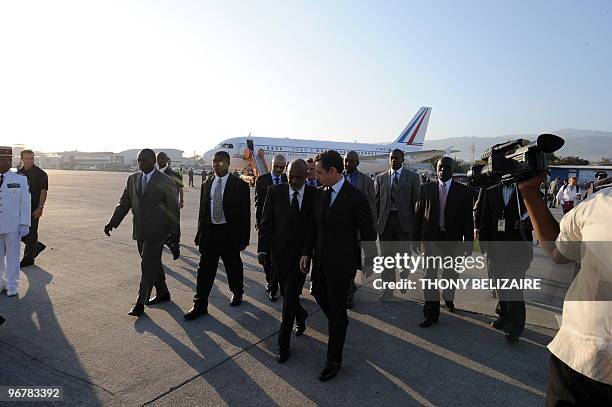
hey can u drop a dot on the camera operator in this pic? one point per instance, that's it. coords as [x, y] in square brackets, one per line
[501, 221]
[581, 352]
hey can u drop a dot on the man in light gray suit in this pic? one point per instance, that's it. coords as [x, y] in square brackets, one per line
[365, 184]
[151, 196]
[397, 192]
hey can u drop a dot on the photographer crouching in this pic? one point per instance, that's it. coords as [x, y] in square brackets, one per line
[581, 352]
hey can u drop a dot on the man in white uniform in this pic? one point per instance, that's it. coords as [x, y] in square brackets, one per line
[15, 218]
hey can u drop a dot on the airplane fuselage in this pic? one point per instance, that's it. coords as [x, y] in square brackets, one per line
[295, 148]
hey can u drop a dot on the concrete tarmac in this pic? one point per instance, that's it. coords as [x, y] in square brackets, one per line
[69, 327]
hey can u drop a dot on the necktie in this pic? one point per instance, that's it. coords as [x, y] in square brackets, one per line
[1, 180]
[347, 177]
[218, 202]
[327, 201]
[143, 183]
[276, 181]
[295, 203]
[394, 191]
[442, 196]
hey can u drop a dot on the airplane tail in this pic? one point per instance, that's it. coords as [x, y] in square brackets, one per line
[414, 133]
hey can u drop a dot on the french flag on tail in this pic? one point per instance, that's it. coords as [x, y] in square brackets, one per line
[414, 133]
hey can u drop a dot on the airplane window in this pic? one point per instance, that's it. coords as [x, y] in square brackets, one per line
[230, 145]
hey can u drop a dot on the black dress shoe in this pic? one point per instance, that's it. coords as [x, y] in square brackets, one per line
[282, 356]
[330, 371]
[273, 297]
[40, 247]
[236, 300]
[157, 299]
[450, 306]
[194, 313]
[428, 322]
[26, 262]
[498, 324]
[512, 338]
[137, 310]
[2, 319]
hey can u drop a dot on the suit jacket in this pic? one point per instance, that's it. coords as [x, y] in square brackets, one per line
[333, 240]
[15, 206]
[366, 185]
[237, 211]
[155, 211]
[458, 220]
[493, 209]
[261, 189]
[407, 197]
[281, 232]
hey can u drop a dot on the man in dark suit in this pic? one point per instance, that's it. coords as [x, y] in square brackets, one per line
[163, 163]
[277, 176]
[397, 192]
[152, 198]
[288, 209]
[502, 222]
[224, 227]
[341, 216]
[366, 185]
[445, 227]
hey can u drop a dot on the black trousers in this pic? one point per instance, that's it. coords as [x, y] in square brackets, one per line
[31, 241]
[566, 387]
[271, 278]
[331, 297]
[390, 242]
[510, 303]
[152, 271]
[442, 248]
[291, 285]
[209, 262]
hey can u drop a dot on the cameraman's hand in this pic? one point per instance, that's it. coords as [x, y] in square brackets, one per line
[531, 185]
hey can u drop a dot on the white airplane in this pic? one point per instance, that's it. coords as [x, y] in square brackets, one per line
[372, 157]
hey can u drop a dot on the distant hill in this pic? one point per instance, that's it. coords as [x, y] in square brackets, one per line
[589, 144]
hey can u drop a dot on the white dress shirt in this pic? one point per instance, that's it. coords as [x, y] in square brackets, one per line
[399, 174]
[584, 340]
[300, 196]
[336, 190]
[568, 194]
[147, 175]
[212, 197]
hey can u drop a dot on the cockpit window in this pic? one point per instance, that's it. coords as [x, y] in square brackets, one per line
[225, 145]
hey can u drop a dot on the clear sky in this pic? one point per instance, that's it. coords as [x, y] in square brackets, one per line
[109, 75]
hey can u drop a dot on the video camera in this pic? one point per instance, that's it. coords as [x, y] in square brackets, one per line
[513, 161]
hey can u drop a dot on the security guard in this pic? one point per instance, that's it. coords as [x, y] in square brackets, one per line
[14, 220]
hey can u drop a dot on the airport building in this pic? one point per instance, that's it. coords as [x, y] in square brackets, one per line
[584, 173]
[129, 157]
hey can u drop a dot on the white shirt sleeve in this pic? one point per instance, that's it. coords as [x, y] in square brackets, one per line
[570, 235]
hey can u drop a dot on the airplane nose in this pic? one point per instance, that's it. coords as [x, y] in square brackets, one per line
[207, 157]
